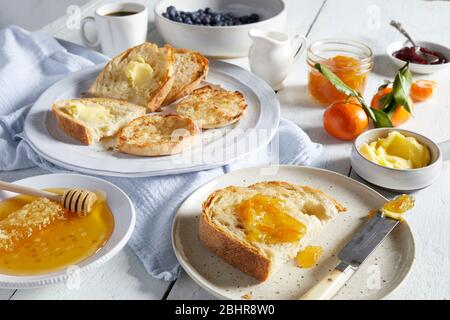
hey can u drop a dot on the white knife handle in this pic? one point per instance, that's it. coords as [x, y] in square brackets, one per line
[327, 288]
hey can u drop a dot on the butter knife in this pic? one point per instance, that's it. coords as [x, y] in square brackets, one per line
[352, 256]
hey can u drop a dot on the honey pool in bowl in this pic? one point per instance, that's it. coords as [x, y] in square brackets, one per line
[62, 243]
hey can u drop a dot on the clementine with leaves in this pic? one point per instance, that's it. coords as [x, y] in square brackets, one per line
[399, 115]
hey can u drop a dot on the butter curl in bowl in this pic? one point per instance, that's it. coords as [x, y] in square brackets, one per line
[398, 159]
[396, 151]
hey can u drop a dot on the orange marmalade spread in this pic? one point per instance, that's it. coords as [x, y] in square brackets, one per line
[309, 256]
[265, 219]
[348, 69]
[396, 208]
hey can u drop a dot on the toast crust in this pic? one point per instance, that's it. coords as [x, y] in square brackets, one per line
[160, 141]
[203, 66]
[77, 129]
[230, 248]
[72, 127]
[242, 254]
[154, 100]
[157, 100]
[212, 107]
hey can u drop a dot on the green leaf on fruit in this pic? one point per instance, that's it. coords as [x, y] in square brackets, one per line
[402, 87]
[385, 101]
[335, 81]
[382, 119]
[342, 87]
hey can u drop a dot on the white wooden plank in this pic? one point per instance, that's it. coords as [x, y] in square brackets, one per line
[64, 27]
[430, 223]
[186, 288]
[298, 106]
[124, 277]
[68, 29]
[5, 294]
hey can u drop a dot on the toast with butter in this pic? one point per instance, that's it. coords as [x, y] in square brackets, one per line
[210, 107]
[157, 135]
[142, 75]
[91, 119]
[191, 69]
[260, 227]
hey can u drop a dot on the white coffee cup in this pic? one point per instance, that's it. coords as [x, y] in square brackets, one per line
[116, 33]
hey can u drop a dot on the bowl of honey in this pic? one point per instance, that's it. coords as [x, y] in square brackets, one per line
[42, 243]
[350, 60]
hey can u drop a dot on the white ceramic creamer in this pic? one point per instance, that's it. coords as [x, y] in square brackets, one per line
[272, 55]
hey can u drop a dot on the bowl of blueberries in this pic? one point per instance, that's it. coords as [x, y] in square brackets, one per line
[217, 28]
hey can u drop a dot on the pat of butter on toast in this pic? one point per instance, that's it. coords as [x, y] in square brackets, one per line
[142, 75]
[91, 119]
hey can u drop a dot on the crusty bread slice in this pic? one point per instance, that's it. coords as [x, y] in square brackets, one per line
[222, 232]
[191, 69]
[142, 75]
[91, 119]
[212, 107]
[157, 135]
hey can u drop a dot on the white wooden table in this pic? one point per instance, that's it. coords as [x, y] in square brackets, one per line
[365, 20]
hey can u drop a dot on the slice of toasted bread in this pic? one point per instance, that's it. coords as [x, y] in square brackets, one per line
[91, 119]
[157, 135]
[142, 75]
[211, 107]
[191, 69]
[222, 232]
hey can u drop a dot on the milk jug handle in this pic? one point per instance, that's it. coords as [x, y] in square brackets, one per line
[298, 44]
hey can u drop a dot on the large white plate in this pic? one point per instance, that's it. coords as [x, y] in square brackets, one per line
[217, 147]
[124, 221]
[384, 270]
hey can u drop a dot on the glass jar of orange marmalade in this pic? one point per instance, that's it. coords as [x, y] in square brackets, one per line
[350, 60]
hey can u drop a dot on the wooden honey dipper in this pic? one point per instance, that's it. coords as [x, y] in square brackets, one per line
[78, 201]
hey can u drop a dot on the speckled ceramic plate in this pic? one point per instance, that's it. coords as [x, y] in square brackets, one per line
[384, 270]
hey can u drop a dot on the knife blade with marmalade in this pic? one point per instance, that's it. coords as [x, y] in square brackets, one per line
[352, 256]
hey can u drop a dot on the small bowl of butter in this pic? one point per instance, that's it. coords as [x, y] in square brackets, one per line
[398, 159]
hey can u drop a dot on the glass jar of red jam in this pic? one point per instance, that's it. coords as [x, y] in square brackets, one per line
[350, 60]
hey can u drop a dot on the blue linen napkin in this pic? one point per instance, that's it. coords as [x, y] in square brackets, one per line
[31, 62]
